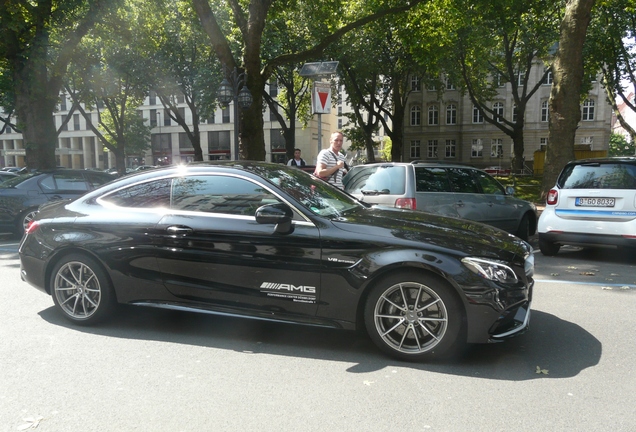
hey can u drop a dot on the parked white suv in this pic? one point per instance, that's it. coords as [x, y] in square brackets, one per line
[448, 189]
[592, 204]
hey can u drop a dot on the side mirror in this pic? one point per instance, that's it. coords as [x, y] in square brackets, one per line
[510, 190]
[279, 214]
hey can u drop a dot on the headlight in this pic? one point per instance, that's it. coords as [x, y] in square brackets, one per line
[491, 269]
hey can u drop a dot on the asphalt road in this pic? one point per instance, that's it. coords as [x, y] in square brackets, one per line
[157, 370]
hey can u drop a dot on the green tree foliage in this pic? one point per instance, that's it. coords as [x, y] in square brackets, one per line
[183, 67]
[325, 23]
[109, 73]
[619, 146]
[37, 41]
[375, 67]
[495, 44]
[611, 49]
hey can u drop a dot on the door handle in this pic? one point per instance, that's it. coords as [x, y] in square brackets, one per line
[179, 230]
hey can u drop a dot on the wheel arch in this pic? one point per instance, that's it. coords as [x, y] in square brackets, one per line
[407, 267]
[60, 255]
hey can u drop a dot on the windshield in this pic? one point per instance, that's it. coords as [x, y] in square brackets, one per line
[315, 195]
[15, 181]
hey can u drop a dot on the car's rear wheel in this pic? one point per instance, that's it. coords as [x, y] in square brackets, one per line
[548, 248]
[81, 290]
[24, 220]
[414, 317]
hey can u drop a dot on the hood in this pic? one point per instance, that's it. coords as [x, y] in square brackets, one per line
[439, 232]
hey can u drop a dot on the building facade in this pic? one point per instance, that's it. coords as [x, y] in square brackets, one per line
[79, 147]
[450, 128]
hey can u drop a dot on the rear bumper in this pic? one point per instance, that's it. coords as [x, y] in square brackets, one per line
[586, 239]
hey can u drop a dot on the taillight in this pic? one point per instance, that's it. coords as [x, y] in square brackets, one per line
[33, 226]
[406, 203]
[553, 196]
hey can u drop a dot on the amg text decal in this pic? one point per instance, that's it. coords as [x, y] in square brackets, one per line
[297, 293]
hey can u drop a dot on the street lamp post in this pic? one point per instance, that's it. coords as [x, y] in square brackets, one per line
[233, 89]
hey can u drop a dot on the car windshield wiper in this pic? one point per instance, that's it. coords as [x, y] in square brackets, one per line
[375, 192]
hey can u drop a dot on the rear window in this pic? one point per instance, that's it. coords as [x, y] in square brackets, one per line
[598, 176]
[388, 179]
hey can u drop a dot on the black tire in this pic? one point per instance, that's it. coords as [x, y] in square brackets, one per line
[23, 221]
[523, 232]
[413, 316]
[81, 290]
[548, 248]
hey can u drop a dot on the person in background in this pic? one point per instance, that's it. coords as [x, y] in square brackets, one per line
[297, 161]
[331, 165]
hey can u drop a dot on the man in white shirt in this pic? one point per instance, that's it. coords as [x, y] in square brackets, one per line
[330, 165]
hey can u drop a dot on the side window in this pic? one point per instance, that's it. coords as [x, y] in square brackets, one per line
[96, 180]
[431, 180]
[489, 185]
[65, 181]
[462, 181]
[219, 194]
[153, 194]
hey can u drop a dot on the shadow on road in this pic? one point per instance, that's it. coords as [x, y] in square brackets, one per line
[560, 347]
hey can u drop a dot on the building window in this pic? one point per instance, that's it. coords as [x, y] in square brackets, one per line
[521, 77]
[515, 113]
[76, 122]
[431, 149]
[416, 116]
[477, 148]
[219, 140]
[499, 79]
[184, 141]
[588, 140]
[588, 110]
[225, 113]
[63, 103]
[166, 119]
[339, 123]
[64, 124]
[273, 89]
[478, 116]
[498, 111]
[180, 98]
[548, 79]
[277, 139]
[415, 83]
[152, 98]
[543, 144]
[496, 148]
[450, 149]
[451, 114]
[449, 84]
[415, 149]
[433, 115]
[545, 111]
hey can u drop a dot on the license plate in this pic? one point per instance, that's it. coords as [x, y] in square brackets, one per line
[595, 202]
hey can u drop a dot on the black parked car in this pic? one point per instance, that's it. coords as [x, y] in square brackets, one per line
[271, 242]
[21, 196]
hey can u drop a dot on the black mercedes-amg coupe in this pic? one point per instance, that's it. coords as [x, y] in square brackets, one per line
[265, 241]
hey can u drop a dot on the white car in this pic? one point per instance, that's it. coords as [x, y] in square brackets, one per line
[593, 204]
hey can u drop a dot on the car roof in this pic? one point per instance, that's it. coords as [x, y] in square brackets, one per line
[615, 159]
[420, 163]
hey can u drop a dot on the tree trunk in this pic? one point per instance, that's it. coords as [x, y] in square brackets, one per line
[564, 104]
[34, 108]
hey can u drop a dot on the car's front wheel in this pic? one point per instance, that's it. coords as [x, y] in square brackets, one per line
[414, 317]
[547, 247]
[81, 290]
